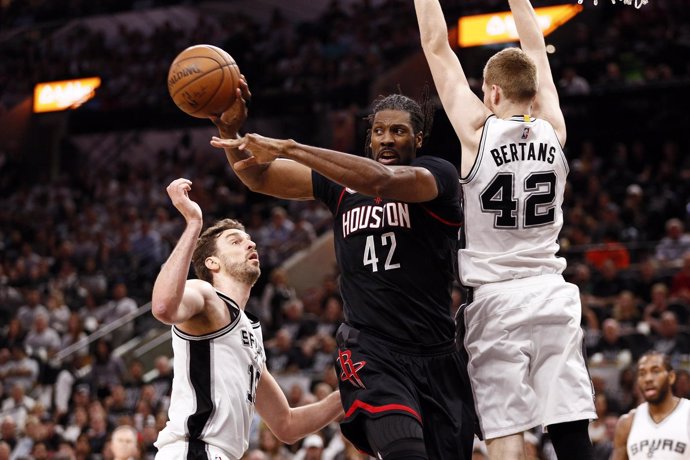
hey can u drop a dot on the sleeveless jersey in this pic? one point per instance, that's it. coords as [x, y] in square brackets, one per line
[666, 440]
[214, 387]
[396, 259]
[512, 201]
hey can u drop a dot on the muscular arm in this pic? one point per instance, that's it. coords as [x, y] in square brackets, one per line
[546, 104]
[620, 438]
[291, 424]
[280, 179]
[405, 183]
[174, 299]
[465, 111]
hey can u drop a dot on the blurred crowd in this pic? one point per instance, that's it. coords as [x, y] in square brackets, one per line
[330, 62]
[80, 252]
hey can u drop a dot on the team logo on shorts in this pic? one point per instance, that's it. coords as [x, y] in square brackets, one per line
[350, 369]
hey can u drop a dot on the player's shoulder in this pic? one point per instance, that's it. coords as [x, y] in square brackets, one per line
[625, 422]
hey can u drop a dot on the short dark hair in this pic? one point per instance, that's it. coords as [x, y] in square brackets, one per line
[664, 357]
[206, 246]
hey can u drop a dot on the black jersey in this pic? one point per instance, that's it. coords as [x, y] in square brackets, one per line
[396, 259]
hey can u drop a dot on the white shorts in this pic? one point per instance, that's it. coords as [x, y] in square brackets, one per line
[524, 342]
[178, 451]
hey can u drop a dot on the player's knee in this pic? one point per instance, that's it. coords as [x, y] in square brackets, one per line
[396, 437]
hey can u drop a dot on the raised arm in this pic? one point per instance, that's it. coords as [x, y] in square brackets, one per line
[405, 183]
[171, 301]
[546, 104]
[465, 110]
[282, 180]
[292, 424]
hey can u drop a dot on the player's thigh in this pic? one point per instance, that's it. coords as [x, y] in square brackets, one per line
[498, 341]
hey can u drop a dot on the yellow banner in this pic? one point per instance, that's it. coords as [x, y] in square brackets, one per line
[487, 29]
[67, 94]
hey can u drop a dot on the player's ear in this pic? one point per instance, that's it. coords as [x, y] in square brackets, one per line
[672, 377]
[419, 140]
[212, 263]
[496, 94]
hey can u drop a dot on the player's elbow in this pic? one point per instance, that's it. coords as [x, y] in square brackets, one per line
[284, 434]
[163, 312]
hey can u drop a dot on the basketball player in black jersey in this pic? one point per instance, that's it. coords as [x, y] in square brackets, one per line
[404, 389]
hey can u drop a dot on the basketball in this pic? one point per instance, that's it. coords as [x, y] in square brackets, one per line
[202, 80]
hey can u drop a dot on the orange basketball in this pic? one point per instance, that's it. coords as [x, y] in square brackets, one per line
[202, 80]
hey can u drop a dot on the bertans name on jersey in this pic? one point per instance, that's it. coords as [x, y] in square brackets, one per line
[522, 151]
[368, 217]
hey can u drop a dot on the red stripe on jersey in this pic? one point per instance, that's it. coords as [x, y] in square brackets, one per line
[441, 219]
[376, 409]
[340, 200]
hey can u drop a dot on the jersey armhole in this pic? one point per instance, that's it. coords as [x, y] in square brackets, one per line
[480, 152]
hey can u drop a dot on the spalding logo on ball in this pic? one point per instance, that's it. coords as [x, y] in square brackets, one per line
[203, 80]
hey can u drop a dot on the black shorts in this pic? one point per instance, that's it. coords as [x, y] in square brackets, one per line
[378, 377]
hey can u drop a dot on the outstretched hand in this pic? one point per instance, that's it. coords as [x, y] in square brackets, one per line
[230, 121]
[262, 149]
[178, 191]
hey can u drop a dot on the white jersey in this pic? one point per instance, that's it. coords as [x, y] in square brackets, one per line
[667, 440]
[512, 201]
[214, 388]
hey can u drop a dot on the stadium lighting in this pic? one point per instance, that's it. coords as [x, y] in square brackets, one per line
[488, 29]
[66, 94]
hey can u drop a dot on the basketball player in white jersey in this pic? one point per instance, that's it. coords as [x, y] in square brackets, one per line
[660, 427]
[521, 326]
[220, 376]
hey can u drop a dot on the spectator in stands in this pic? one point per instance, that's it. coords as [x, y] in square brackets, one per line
[282, 355]
[612, 346]
[106, 370]
[162, 382]
[124, 443]
[661, 303]
[681, 387]
[627, 312]
[646, 276]
[669, 340]
[680, 284]
[117, 308]
[92, 278]
[41, 338]
[78, 424]
[134, 381]
[573, 84]
[609, 249]
[74, 334]
[331, 315]
[97, 432]
[269, 443]
[609, 282]
[674, 244]
[22, 369]
[116, 405]
[275, 293]
[58, 311]
[17, 405]
[311, 449]
[32, 305]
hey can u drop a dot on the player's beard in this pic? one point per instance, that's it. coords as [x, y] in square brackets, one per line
[661, 395]
[244, 272]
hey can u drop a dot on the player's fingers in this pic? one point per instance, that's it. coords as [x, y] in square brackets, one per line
[226, 143]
